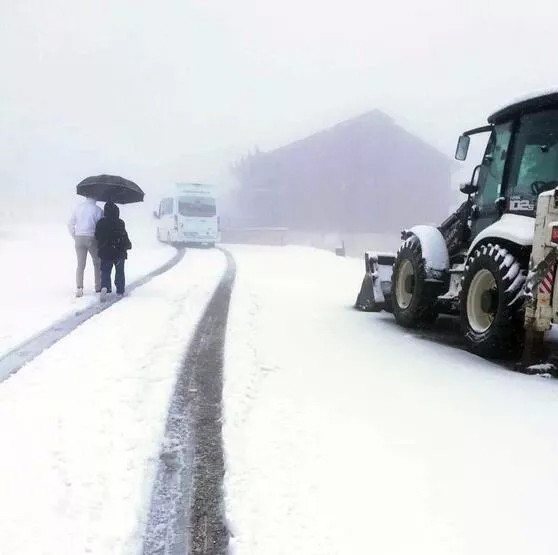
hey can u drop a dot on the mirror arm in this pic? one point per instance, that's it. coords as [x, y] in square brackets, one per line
[483, 129]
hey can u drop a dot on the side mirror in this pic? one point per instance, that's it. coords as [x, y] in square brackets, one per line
[462, 147]
[156, 214]
[472, 187]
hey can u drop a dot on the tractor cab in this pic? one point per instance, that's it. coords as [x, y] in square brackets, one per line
[520, 161]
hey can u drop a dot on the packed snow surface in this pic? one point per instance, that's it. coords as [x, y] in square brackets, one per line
[81, 425]
[38, 276]
[343, 433]
[346, 435]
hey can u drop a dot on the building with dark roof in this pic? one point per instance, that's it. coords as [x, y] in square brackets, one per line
[365, 174]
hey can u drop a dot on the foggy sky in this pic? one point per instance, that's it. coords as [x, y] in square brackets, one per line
[176, 90]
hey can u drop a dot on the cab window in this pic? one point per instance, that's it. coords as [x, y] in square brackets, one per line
[534, 165]
[492, 169]
[166, 207]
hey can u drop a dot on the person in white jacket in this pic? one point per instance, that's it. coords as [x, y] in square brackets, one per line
[82, 228]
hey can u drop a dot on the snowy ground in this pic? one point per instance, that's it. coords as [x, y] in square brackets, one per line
[344, 434]
[81, 426]
[38, 277]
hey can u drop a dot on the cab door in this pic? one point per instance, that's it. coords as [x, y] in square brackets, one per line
[490, 178]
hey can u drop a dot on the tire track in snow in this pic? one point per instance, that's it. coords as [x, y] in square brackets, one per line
[16, 358]
[187, 507]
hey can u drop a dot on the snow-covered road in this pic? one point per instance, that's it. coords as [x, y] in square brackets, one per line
[81, 426]
[187, 508]
[38, 283]
[25, 352]
[343, 434]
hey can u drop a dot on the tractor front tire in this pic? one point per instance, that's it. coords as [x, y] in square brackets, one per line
[412, 297]
[490, 305]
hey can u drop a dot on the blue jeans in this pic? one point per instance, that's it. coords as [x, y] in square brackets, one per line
[119, 279]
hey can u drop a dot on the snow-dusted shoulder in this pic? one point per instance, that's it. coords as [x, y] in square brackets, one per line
[345, 434]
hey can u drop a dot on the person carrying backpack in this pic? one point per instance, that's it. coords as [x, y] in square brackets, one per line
[113, 246]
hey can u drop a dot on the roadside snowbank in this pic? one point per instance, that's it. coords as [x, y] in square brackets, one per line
[81, 425]
[344, 434]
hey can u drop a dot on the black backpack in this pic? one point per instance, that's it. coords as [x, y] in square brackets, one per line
[121, 242]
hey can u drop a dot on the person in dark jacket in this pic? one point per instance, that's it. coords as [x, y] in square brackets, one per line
[113, 245]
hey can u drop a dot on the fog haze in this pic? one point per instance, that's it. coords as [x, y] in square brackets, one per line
[178, 90]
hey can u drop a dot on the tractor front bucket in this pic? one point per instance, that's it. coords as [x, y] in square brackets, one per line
[365, 299]
[371, 297]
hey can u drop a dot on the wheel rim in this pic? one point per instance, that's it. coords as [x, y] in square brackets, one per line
[405, 284]
[483, 283]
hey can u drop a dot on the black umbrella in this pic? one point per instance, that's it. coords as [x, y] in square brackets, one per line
[110, 187]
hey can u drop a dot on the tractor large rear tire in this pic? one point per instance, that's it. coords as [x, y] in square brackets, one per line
[412, 297]
[491, 311]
